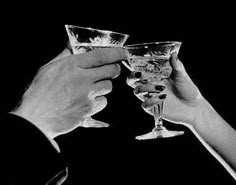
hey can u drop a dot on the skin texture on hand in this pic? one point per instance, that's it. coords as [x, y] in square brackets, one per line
[70, 89]
[185, 105]
[183, 100]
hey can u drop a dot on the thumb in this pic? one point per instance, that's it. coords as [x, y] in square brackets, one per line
[177, 66]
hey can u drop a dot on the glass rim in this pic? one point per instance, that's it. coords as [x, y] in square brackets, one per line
[94, 29]
[138, 45]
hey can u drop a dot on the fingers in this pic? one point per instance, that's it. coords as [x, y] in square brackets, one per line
[99, 57]
[102, 88]
[132, 78]
[149, 88]
[105, 72]
[144, 92]
[148, 103]
[177, 65]
[99, 104]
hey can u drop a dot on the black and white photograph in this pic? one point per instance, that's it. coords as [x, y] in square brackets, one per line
[118, 94]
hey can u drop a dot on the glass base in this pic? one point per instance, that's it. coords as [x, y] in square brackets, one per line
[160, 132]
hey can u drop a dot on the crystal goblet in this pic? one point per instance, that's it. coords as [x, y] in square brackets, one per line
[152, 60]
[83, 39]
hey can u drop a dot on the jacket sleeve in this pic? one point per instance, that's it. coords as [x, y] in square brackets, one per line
[28, 156]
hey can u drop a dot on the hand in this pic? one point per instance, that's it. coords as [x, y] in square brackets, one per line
[183, 100]
[185, 105]
[70, 89]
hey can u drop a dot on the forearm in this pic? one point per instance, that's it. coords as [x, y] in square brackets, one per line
[217, 136]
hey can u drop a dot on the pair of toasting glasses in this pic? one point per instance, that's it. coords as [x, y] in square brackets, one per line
[150, 59]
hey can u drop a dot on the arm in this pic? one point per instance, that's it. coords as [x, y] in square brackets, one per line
[63, 94]
[217, 136]
[185, 105]
[70, 89]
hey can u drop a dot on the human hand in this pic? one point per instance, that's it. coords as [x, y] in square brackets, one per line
[70, 89]
[185, 105]
[183, 100]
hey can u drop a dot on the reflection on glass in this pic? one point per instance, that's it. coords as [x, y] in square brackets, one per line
[87, 39]
[152, 60]
[83, 40]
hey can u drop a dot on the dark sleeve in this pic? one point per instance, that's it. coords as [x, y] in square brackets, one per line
[28, 156]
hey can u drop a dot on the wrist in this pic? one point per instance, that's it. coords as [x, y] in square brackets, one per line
[203, 112]
[20, 113]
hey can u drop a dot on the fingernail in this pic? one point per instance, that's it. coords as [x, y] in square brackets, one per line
[162, 96]
[138, 75]
[160, 87]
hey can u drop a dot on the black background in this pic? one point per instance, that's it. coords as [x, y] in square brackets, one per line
[34, 34]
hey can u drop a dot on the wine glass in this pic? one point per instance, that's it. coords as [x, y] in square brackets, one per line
[83, 39]
[152, 60]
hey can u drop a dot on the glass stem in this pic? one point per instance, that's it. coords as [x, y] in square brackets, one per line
[157, 113]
